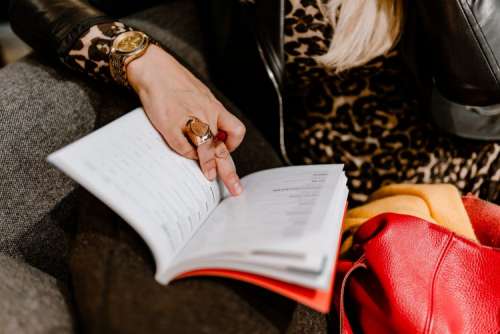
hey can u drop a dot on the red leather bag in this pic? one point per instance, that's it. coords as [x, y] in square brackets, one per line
[416, 277]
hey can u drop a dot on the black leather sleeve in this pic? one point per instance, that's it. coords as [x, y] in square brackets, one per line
[52, 26]
[464, 44]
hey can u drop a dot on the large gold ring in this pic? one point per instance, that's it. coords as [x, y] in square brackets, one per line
[197, 131]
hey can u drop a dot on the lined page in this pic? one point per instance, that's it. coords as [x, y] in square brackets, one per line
[128, 166]
[281, 211]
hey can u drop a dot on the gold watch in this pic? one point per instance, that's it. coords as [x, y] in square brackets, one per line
[126, 47]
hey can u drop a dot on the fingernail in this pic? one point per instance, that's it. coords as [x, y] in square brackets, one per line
[221, 135]
[211, 174]
[237, 188]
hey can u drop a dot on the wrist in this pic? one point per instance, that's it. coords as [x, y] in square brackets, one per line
[141, 71]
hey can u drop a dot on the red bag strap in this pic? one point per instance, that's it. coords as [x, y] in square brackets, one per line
[345, 325]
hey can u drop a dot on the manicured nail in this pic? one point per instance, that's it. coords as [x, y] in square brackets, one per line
[221, 135]
[237, 188]
[211, 174]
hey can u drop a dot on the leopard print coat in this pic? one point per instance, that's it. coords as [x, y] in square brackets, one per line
[368, 119]
[90, 54]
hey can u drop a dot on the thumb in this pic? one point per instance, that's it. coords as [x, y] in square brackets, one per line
[234, 128]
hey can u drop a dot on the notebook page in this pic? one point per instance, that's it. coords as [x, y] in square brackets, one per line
[282, 213]
[128, 166]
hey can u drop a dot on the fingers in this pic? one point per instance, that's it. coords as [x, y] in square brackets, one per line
[170, 118]
[178, 142]
[226, 169]
[206, 151]
[234, 128]
[206, 157]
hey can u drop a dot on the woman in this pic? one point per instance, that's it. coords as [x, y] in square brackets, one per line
[314, 55]
[363, 118]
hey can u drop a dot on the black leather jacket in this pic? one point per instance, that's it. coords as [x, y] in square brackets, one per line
[453, 43]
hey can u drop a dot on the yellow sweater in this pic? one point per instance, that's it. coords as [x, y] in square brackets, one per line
[437, 203]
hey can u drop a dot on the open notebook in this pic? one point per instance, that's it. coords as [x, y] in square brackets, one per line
[281, 233]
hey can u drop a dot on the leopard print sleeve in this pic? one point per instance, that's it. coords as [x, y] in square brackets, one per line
[90, 53]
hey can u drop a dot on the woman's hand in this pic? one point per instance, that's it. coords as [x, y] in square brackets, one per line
[170, 95]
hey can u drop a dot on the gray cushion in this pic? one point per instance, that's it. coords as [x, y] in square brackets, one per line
[31, 301]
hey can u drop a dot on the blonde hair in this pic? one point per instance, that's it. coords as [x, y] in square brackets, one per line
[363, 30]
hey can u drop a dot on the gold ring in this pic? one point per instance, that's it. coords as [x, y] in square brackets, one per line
[197, 131]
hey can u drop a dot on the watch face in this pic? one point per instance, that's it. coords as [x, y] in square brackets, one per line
[130, 41]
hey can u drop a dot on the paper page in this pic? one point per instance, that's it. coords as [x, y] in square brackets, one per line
[284, 213]
[128, 166]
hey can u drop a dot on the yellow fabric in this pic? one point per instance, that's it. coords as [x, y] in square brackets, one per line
[437, 203]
